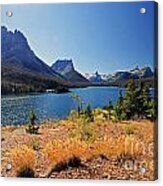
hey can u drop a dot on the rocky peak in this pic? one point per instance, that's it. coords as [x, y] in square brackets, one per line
[3, 29]
[135, 69]
[13, 41]
[63, 66]
[94, 77]
[146, 72]
[19, 37]
[97, 74]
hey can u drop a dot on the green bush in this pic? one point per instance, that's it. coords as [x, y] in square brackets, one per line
[32, 128]
[32, 117]
[129, 129]
[34, 144]
[88, 114]
[87, 132]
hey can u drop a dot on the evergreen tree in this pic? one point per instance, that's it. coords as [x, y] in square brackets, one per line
[130, 103]
[89, 114]
[110, 109]
[32, 117]
[110, 106]
[119, 108]
[137, 102]
[146, 100]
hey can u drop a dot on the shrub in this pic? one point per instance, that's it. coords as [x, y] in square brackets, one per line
[73, 115]
[22, 159]
[79, 101]
[32, 117]
[87, 133]
[101, 114]
[60, 166]
[63, 165]
[26, 173]
[34, 143]
[88, 114]
[32, 128]
[110, 110]
[129, 129]
[59, 152]
[74, 162]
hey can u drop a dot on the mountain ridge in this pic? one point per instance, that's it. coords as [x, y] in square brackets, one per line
[22, 68]
[23, 71]
[121, 75]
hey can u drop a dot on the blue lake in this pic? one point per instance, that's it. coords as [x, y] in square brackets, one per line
[16, 109]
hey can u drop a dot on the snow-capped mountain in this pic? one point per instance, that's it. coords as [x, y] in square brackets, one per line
[136, 73]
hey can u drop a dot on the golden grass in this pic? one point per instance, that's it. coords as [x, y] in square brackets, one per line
[61, 151]
[85, 141]
[9, 128]
[21, 158]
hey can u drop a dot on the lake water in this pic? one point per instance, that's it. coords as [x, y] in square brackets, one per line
[16, 109]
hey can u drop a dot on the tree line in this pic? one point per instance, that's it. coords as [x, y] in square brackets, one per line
[136, 102]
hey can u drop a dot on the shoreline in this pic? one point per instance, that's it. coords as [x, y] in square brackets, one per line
[121, 84]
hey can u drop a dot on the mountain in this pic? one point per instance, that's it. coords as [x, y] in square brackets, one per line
[119, 76]
[136, 73]
[23, 71]
[97, 78]
[66, 68]
[143, 72]
[21, 68]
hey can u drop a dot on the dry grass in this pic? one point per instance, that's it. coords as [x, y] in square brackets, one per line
[72, 138]
[20, 158]
[34, 143]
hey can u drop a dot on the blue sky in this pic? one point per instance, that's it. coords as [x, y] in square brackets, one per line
[102, 36]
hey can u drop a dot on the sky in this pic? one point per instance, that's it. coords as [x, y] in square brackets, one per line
[103, 37]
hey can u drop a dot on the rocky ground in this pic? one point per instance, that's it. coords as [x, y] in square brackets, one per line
[99, 150]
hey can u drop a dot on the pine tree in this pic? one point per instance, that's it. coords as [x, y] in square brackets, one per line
[89, 114]
[130, 103]
[146, 99]
[119, 108]
[140, 101]
[32, 117]
[110, 106]
[150, 112]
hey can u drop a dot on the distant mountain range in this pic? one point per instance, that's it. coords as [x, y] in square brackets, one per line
[23, 71]
[136, 73]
